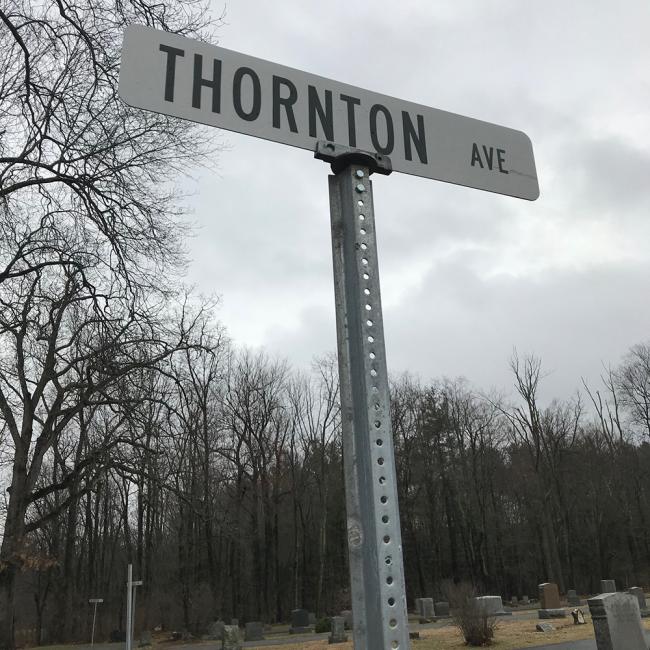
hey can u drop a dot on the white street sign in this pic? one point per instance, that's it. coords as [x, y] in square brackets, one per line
[196, 81]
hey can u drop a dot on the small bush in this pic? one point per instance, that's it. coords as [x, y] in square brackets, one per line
[323, 625]
[476, 627]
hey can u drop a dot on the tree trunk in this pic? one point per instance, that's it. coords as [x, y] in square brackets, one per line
[11, 546]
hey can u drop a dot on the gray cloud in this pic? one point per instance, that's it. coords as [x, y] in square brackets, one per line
[466, 275]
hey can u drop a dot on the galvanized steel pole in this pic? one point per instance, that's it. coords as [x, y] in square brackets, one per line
[92, 634]
[129, 609]
[374, 538]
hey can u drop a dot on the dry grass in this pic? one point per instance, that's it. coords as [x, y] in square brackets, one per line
[509, 635]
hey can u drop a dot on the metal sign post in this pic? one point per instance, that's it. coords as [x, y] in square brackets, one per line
[131, 586]
[374, 539]
[129, 609]
[94, 601]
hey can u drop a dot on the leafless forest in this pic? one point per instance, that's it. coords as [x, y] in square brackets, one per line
[132, 430]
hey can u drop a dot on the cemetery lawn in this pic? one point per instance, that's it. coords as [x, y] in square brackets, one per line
[509, 635]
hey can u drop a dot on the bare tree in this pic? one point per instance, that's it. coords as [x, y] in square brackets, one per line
[547, 435]
[316, 407]
[87, 228]
[633, 383]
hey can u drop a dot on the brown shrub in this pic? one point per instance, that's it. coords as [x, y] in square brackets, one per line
[475, 625]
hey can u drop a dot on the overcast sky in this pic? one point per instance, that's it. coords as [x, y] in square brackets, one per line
[466, 275]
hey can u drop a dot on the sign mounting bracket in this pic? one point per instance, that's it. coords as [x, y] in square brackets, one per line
[341, 157]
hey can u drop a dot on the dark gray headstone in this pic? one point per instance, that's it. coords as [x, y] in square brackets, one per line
[552, 613]
[254, 631]
[524, 600]
[514, 602]
[312, 618]
[299, 618]
[418, 606]
[639, 594]
[427, 612]
[544, 627]
[347, 616]
[572, 597]
[617, 622]
[231, 638]
[337, 633]
[145, 638]
[441, 608]
[215, 630]
[607, 586]
[117, 635]
[300, 622]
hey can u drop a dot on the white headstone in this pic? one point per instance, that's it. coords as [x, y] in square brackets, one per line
[617, 622]
[490, 606]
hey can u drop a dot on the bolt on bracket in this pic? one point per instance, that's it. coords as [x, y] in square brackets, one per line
[340, 157]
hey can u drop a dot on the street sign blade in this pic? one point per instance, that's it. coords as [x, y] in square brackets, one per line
[177, 76]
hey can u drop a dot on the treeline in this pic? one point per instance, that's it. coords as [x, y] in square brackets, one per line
[224, 488]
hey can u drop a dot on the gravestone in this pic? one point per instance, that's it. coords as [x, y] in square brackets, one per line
[299, 622]
[347, 617]
[514, 602]
[554, 612]
[312, 618]
[572, 597]
[639, 594]
[549, 596]
[145, 638]
[549, 599]
[337, 634]
[215, 631]
[491, 606]
[254, 631]
[441, 608]
[418, 606]
[544, 627]
[524, 600]
[427, 612]
[235, 622]
[617, 622]
[578, 617]
[231, 638]
[607, 586]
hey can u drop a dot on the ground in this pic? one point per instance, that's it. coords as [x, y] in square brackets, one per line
[512, 633]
